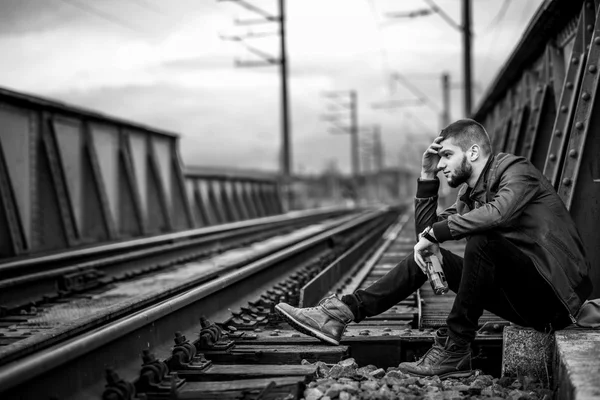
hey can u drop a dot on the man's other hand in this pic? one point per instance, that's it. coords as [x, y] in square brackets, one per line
[424, 248]
[431, 158]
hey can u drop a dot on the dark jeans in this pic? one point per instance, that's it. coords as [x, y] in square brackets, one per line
[495, 275]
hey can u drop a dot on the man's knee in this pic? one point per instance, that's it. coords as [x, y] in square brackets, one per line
[481, 240]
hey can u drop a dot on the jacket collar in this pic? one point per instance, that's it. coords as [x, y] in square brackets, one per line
[481, 184]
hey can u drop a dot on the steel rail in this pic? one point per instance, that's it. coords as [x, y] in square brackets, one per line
[347, 264]
[18, 291]
[206, 271]
[359, 275]
[18, 267]
[153, 326]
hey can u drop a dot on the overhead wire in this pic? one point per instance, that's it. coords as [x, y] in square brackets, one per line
[105, 16]
[382, 49]
[443, 14]
[497, 18]
[149, 6]
[495, 37]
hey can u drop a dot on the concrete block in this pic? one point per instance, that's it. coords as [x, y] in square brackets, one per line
[527, 352]
[577, 364]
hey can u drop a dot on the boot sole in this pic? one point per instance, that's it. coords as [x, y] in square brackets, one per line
[307, 330]
[459, 374]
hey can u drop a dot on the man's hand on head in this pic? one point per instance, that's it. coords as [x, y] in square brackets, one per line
[431, 159]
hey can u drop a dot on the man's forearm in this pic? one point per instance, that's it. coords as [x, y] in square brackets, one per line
[426, 203]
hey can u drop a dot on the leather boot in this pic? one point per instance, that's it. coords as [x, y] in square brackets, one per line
[446, 359]
[326, 321]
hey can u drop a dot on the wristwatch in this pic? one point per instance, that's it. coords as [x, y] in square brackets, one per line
[428, 235]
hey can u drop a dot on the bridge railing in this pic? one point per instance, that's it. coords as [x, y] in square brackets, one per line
[219, 195]
[71, 177]
[544, 105]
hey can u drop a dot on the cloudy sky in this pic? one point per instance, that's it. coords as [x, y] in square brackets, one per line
[164, 64]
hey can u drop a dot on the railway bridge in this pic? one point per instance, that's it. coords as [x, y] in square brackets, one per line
[112, 249]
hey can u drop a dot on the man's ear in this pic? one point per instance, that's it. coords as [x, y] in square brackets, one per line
[475, 152]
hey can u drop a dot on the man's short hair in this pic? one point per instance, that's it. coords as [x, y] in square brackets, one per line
[467, 132]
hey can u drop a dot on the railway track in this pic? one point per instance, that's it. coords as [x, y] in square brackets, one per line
[222, 338]
[29, 282]
[238, 293]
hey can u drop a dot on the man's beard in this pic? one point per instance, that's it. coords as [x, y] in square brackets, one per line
[463, 173]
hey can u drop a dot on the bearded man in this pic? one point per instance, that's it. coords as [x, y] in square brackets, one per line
[524, 260]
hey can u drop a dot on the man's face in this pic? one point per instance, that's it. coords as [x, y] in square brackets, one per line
[454, 164]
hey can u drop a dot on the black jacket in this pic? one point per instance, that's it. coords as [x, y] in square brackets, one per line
[514, 199]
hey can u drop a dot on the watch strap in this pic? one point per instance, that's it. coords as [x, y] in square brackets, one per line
[428, 236]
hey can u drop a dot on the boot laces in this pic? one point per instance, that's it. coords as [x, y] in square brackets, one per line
[433, 355]
[317, 307]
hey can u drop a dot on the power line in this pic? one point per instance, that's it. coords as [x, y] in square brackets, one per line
[443, 14]
[414, 90]
[148, 6]
[382, 49]
[496, 31]
[497, 18]
[102, 15]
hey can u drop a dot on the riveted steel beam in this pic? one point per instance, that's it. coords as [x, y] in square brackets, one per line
[520, 115]
[584, 128]
[132, 218]
[11, 233]
[65, 206]
[568, 99]
[132, 187]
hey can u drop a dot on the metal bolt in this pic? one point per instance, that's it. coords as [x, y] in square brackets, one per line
[592, 69]
[552, 157]
[585, 96]
[364, 333]
[575, 60]
[588, 4]
[597, 40]
[558, 133]
[539, 89]
[179, 338]
[569, 85]
[387, 329]
[295, 335]
[567, 182]
[564, 109]
[579, 125]
[273, 334]
[573, 153]
[590, 28]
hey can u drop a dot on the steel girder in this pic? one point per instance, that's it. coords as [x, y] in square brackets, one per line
[544, 106]
[71, 177]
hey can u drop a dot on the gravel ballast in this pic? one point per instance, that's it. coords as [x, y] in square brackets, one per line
[347, 381]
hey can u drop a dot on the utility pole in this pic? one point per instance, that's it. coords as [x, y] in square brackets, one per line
[378, 155]
[446, 100]
[285, 115]
[354, 134]
[466, 29]
[351, 127]
[268, 60]
[378, 149]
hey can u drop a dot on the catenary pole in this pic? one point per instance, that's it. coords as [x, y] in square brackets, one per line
[466, 28]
